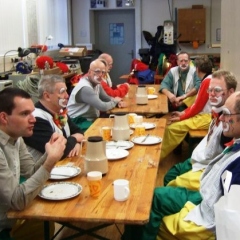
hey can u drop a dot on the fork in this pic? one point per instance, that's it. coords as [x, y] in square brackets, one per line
[145, 138]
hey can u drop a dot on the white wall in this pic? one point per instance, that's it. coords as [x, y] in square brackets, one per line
[230, 53]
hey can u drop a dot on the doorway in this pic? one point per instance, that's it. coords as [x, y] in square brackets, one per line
[115, 35]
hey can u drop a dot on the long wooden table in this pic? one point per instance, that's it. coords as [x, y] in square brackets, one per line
[138, 168]
[154, 106]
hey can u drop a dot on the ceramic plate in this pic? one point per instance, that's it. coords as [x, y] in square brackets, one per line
[152, 96]
[60, 191]
[145, 124]
[114, 154]
[64, 172]
[119, 145]
[150, 140]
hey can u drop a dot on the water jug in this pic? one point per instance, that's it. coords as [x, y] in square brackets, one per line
[141, 95]
[95, 157]
[120, 130]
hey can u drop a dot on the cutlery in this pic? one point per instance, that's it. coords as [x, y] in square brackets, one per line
[145, 138]
[60, 175]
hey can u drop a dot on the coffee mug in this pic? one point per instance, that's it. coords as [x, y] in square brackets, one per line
[106, 133]
[131, 117]
[138, 119]
[95, 183]
[121, 189]
[150, 90]
[140, 130]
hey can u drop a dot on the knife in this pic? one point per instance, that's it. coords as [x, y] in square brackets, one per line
[145, 138]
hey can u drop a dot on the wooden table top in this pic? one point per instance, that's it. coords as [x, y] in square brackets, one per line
[134, 168]
[154, 106]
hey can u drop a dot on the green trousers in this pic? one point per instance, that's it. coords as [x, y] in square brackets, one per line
[166, 201]
[82, 123]
[177, 170]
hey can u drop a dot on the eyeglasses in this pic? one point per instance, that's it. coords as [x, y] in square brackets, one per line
[215, 90]
[225, 114]
[98, 72]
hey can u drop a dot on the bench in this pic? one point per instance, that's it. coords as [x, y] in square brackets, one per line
[194, 137]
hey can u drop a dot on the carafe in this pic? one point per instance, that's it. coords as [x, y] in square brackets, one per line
[141, 95]
[120, 130]
[95, 157]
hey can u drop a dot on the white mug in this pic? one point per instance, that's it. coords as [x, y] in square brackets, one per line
[121, 189]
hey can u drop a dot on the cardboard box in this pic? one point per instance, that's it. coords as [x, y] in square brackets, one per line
[55, 70]
[78, 51]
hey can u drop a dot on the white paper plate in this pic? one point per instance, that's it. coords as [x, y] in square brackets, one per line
[114, 154]
[60, 190]
[145, 124]
[119, 145]
[151, 139]
[64, 172]
[152, 96]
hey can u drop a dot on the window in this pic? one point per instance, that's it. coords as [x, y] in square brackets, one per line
[27, 22]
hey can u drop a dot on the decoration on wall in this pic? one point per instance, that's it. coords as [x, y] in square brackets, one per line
[116, 33]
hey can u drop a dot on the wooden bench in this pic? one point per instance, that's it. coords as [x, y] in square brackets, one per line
[194, 137]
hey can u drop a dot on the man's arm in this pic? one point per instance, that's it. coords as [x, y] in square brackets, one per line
[87, 95]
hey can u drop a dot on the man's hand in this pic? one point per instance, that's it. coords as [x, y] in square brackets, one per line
[122, 104]
[54, 149]
[75, 151]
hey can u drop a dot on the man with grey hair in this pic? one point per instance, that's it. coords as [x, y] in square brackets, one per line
[51, 116]
[88, 98]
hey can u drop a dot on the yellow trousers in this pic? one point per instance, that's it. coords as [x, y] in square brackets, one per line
[176, 132]
[174, 227]
[189, 180]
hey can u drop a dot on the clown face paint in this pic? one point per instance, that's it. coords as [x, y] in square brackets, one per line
[62, 101]
[216, 101]
[228, 119]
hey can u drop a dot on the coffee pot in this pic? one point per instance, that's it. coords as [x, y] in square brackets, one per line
[95, 157]
[141, 95]
[120, 130]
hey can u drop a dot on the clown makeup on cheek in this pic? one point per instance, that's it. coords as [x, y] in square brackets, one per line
[62, 101]
[228, 119]
[218, 101]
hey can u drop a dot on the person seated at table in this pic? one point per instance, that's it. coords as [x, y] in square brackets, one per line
[180, 213]
[51, 116]
[17, 121]
[187, 174]
[180, 83]
[120, 90]
[196, 116]
[88, 98]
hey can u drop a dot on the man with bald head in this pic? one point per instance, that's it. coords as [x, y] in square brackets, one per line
[114, 91]
[88, 97]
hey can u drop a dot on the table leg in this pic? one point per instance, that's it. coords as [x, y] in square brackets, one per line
[46, 230]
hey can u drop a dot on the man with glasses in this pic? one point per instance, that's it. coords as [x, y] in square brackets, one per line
[88, 98]
[196, 116]
[180, 213]
[188, 173]
[181, 82]
[120, 90]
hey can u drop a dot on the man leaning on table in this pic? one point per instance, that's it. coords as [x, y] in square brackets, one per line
[88, 98]
[187, 214]
[17, 121]
[51, 116]
[180, 83]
